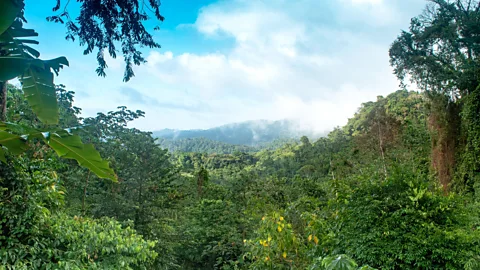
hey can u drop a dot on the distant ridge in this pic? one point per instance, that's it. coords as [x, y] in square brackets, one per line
[249, 133]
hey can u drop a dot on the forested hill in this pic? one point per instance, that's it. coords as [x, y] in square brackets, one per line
[250, 133]
[366, 190]
[204, 145]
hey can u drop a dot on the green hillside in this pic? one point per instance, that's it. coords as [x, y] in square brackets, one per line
[250, 133]
[203, 145]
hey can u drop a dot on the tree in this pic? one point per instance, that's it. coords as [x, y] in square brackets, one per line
[102, 24]
[440, 51]
[145, 192]
[440, 54]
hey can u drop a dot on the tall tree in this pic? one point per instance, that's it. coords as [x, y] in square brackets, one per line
[439, 53]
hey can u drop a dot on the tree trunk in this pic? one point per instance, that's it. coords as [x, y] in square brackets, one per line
[443, 124]
[3, 101]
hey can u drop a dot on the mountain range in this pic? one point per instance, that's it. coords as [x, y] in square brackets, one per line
[249, 133]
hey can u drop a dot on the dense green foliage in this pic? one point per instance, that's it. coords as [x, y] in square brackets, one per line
[37, 232]
[364, 195]
[376, 193]
[365, 191]
[203, 145]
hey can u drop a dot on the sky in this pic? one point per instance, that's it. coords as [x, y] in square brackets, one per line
[229, 61]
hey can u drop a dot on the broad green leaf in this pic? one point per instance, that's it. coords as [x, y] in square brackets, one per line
[21, 50]
[340, 262]
[2, 155]
[8, 12]
[30, 50]
[71, 146]
[12, 142]
[17, 128]
[15, 47]
[56, 64]
[28, 41]
[18, 31]
[12, 67]
[40, 92]
[62, 141]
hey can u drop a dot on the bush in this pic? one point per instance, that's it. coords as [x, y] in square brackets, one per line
[403, 222]
[34, 236]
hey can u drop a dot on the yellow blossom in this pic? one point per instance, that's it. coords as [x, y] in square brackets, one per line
[279, 228]
[309, 238]
[315, 239]
[284, 255]
[281, 218]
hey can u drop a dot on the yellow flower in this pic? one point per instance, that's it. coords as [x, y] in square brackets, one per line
[281, 218]
[279, 228]
[267, 258]
[315, 239]
[244, 240]
[284, 255]
[309, 238]
[263, 218]
[269, 239]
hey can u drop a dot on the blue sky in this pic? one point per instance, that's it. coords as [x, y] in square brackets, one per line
[229, 61]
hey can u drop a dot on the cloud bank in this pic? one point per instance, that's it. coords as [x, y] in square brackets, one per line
[314, 61]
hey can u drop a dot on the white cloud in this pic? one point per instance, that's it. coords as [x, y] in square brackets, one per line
[311, 60]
